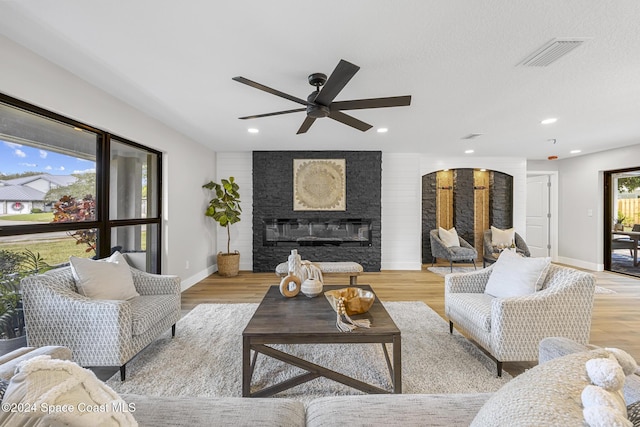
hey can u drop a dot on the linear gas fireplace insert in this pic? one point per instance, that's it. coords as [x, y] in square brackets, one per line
[317, 232]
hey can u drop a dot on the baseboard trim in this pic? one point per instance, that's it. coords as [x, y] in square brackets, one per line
[192, 280]
[400, 266]
[581, 264]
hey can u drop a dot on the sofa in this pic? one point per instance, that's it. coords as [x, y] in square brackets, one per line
[546, 395]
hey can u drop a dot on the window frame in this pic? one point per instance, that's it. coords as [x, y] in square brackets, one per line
[102, 223]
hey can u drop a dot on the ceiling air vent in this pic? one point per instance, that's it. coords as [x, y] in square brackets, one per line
[552, 51]
[472, 136]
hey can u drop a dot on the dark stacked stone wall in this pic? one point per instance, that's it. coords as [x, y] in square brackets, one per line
[501, 200]
[273, 198]
[463, 203]
[500, 205]
[428, 214]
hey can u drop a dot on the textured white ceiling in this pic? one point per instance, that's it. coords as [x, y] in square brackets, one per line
[458, 59]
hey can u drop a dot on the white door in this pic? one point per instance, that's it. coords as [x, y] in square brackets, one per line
[538, 215]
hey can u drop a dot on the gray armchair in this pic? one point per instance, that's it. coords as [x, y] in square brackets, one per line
[491, 254]
[465, 252]
[98, 332]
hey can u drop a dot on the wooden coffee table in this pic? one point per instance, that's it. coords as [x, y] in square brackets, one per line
[302, 320]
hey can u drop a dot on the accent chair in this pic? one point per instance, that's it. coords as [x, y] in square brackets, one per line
[464, 252]
[491, 253]
[99, 332]
[511, 328]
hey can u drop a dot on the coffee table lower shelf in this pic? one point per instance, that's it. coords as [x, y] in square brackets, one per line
[313, 371]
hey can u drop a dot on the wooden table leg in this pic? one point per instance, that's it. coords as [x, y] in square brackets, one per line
[246, 367]
[397, 364]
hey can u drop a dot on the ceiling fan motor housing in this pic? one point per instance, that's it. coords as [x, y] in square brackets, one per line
[314, 110]
[317, 79]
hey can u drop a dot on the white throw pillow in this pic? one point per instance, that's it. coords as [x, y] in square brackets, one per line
[108, 279]
[61, 393]
[502, 237]
[514, 275]
[449, 237]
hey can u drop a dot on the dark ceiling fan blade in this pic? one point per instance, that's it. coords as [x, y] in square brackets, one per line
[270, 90]
[297, 110]
[336, 82]
[306, 125]
[358, 104]
[350, 121]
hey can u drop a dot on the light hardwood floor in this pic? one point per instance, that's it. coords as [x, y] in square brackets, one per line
[616, 316]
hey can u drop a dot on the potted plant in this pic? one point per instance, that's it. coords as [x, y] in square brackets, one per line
[225, 209]
[13, 267]
[619, 226]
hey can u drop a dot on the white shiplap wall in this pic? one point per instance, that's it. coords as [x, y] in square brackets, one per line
[401, 211]
[240, 166]
[401, 201]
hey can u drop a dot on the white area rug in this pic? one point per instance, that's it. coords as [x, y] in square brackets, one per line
[205, 358]
[443, 271]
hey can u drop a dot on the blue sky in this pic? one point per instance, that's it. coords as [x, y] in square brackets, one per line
[15, 158]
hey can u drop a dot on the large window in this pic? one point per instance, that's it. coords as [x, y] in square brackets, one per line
[67, 188]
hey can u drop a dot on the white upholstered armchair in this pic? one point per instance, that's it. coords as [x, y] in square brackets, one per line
[99, 332]
[511, 328]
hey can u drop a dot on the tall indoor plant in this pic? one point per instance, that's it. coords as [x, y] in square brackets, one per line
[225, 209]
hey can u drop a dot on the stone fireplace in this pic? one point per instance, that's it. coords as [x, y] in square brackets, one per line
[352, 234]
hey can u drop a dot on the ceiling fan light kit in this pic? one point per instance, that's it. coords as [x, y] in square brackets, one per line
[319, 104]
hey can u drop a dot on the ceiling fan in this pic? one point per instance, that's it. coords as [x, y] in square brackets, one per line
[320, 103]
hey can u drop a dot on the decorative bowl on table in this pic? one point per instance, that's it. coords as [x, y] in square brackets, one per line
[356, 300]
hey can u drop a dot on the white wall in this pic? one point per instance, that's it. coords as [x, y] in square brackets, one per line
[401, 202]
[581, 189]
[401, 212]
[187, 165]
[239, 165]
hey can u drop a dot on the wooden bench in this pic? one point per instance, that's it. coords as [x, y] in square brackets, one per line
[353, 269]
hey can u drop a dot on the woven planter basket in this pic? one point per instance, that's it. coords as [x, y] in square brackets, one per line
[228, 264]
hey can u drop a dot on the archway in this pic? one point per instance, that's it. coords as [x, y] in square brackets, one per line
[471, 200]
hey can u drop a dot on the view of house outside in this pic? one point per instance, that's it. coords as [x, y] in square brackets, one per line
[44, 186]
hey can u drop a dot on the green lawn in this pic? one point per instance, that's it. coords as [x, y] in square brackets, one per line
[37, 217]
[53, 251]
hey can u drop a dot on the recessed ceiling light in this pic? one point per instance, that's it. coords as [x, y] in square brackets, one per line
[468, 151]
[253, 130]
[383, 130]
[549, 121]
[575, 151]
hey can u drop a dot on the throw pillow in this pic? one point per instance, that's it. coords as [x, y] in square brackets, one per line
[633, 413]
[61, 393]
[514, 275]
[603, 401]
[502, 237]
[449, 237]
[108, 279]
[548, 394]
